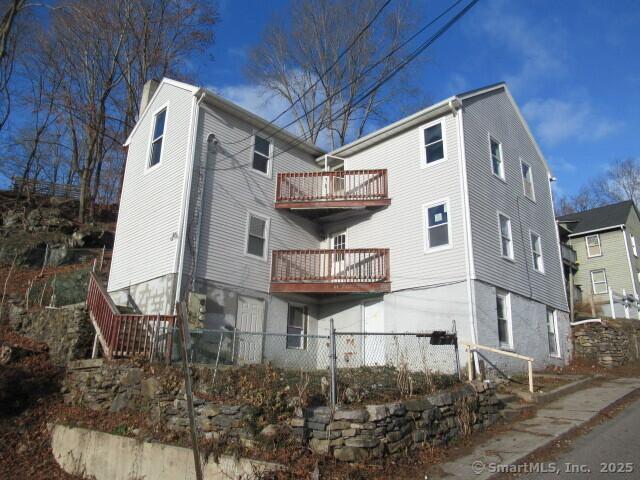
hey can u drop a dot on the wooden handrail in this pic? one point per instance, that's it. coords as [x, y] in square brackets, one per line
[359, 185]
[470, 347]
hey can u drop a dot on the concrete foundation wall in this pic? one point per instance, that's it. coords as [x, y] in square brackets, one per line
[155, 296]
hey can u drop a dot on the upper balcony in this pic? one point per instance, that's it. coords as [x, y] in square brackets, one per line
[319, 194]
[569, 255]
[361, 270]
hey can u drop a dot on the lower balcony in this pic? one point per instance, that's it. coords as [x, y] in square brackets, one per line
[358, 270]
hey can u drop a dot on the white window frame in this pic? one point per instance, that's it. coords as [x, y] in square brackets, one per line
[586, 243]
[593, 283]
[305, 325]
[524, 183]
[507, 302]
[511, 256]
[541, 254]
[425, 213]
[269, 160]
[634, 247]
[502, 175]
[554, 313]
[423, 145]
[147, 164]
[267, 221]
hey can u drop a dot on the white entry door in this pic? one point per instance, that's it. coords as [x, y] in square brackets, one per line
[339, 242]
[249, 318]
[373, 346]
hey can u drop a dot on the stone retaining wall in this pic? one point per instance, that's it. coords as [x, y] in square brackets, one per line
[375, 431]
[347, 434]
[612, 343]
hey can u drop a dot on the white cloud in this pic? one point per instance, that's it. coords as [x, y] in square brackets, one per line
[561, 164]
[559, 120]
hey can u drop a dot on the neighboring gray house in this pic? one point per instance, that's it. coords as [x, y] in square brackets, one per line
[443, 216]
[606, 243]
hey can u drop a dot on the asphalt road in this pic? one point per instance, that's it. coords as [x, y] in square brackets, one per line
[610, 451]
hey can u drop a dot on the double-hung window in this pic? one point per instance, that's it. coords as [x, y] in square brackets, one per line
[437, 226]
[634, 247]
[497, 163]
[296, 327]
[433, 143]
[261, 154]
[552, 332]
[503, 309]
[506, 239]
[594, 248]
[536, 253]
[599, 281]
[257, 236]
[157, 137]
[527, 181]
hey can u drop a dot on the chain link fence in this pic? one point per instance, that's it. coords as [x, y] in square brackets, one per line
[346, 366]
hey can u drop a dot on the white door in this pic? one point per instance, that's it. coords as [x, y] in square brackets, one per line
[373, 346]
[338, 242]
[249, 319]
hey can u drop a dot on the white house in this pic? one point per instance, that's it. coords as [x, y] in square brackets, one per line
[445, 215]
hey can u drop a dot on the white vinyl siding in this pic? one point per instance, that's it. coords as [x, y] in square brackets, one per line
[150, 214]
[536, 252]
[506, 237]
[257, 235]
[296, 325]
[599, 282]
[552, 332]
[497, 162]
[437, 226]
[433, 141]
[594, 247]
[503, 311]
[527, 181]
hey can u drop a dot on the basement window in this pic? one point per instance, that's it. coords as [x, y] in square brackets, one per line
[503, 310]
[297, 327]
[552, 332]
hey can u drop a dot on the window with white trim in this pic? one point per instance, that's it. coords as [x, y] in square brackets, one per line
[497, 164]
[257, 236]
[536, 253]
[261, 154]
[599, 281]
[433, 143]
[594, 248]
[634, 248]
[506, 239]
[552, 331]
[437, 219]
[527, 180]
[296, 326]
[158, 137]
[503, 309]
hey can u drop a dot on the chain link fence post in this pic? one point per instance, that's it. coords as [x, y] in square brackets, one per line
[332, 360]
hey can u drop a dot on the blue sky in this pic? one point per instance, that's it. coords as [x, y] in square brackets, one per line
[573, 67]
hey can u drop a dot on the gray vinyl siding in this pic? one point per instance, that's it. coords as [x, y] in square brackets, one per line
[493, 114]
[401, 226]
[146, 239]
[633, 228]
[613, 259]
[232, 190]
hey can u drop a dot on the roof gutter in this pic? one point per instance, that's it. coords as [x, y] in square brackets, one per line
[596, 230]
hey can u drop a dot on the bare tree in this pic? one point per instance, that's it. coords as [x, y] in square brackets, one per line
[9, 9]
[295, 60]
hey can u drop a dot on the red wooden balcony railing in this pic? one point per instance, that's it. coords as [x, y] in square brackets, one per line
[350, 188]
[318, 271]
[128, 335]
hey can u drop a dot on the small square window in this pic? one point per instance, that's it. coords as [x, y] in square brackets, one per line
[594, 248]
[261, 154]
[497, 164]
[157, 138]
[433, 143]
[297, 327]
[437, 225]
[257, 236]
[527, 181]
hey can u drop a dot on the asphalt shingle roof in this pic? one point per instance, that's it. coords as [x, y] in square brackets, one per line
[599, 218]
